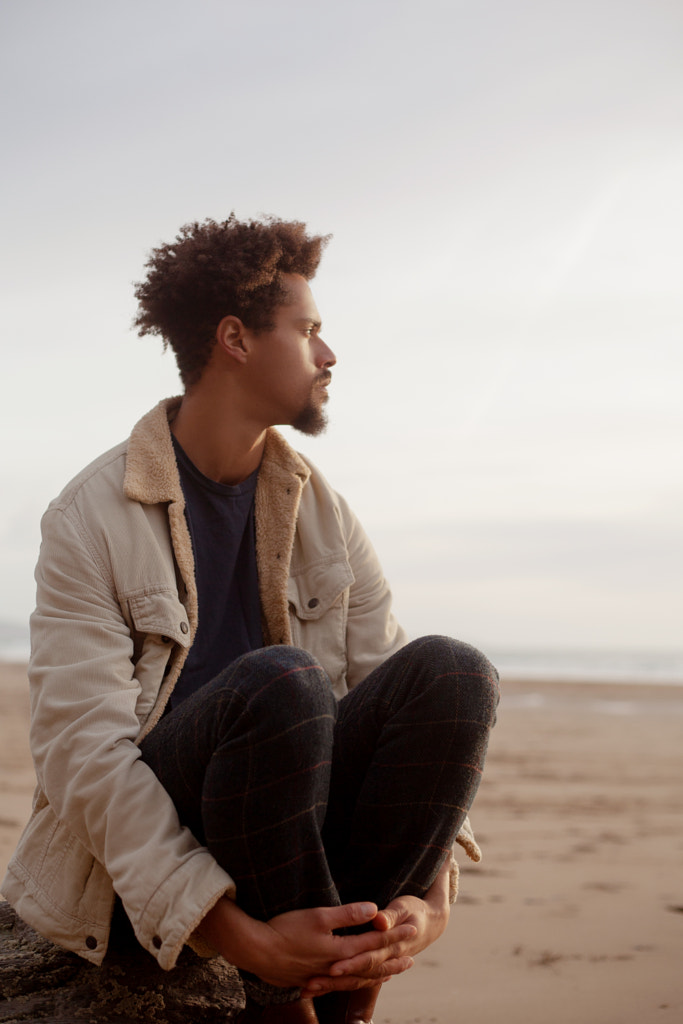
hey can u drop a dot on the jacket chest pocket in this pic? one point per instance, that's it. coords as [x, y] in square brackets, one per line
[160, 630]
[318, 598]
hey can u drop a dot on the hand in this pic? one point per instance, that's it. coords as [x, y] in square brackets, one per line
[429, 918]
[294, 948]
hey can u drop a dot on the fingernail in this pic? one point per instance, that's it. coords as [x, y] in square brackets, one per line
[368, 908]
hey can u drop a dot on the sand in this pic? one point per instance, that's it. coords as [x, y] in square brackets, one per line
[575, 916]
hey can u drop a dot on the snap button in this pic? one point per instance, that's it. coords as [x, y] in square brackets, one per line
[313, 603]
[91, 942]
[184, 628]
[156, 942]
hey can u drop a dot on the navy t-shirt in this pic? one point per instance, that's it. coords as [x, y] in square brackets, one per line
[220, 518]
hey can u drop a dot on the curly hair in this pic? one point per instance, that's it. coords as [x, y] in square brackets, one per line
[214, 270]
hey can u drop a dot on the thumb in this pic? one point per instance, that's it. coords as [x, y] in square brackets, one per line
[385, 919]
[350, 914]
[396, 913]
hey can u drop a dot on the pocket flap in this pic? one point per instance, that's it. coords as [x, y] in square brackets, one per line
[161, 613]
[314, 589]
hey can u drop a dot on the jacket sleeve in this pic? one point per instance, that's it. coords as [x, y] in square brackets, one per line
[372, 633]
[83, 732]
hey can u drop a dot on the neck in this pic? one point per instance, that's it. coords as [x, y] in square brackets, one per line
[217, 438]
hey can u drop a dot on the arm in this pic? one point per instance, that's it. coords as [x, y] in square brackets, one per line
[372, 632]
[84, 694]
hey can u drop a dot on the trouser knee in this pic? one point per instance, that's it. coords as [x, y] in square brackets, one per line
[281, 683]
[458, 674]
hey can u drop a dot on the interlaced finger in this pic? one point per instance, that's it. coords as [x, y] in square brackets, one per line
[349, 982]
[374, 963]
[349, 946]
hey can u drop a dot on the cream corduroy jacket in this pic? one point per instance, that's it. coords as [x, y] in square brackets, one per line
[116, 614]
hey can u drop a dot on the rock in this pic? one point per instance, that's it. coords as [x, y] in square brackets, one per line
[42, 982]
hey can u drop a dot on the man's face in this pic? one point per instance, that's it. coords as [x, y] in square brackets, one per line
[291, 363]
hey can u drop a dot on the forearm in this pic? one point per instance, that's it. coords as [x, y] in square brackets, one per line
[236, 936]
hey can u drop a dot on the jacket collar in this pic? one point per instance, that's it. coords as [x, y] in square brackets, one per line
[151, 473]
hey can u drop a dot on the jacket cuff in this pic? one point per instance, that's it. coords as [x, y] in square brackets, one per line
[453, 880]
[466, 839]
[197, 886]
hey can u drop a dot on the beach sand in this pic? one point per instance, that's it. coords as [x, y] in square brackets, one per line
[575, 915]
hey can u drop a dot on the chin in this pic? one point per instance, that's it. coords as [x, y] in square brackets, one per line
[312, 421]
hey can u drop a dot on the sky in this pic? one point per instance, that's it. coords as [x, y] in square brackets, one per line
[502, 290]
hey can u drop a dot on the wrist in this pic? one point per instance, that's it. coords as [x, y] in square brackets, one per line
[235, 935]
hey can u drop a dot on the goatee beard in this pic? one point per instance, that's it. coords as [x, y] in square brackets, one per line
[311, 421]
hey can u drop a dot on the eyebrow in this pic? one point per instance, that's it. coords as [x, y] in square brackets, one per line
[309, 320]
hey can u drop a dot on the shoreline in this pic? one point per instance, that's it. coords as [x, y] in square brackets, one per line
[636, 688]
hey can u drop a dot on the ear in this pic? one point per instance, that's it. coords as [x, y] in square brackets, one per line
[230, 337]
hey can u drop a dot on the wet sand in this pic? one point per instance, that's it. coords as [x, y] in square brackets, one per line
[575, 915]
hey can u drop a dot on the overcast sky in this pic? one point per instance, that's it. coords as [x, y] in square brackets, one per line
[502, 291]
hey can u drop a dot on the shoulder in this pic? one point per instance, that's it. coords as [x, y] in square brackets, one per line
[104, 473]
[143, 463]
[319, 493]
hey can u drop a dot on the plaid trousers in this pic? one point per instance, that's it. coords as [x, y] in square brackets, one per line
[308, 802]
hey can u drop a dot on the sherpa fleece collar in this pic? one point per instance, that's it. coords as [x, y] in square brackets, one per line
[151, 472]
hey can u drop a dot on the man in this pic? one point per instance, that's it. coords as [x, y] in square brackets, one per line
[235, 746]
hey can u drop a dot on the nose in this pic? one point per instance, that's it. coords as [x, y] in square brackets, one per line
[325, 355]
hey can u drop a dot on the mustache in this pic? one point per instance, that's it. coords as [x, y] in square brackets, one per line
[324, 378]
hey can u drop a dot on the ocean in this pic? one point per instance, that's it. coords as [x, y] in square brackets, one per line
[552, 664]
[590, 665]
